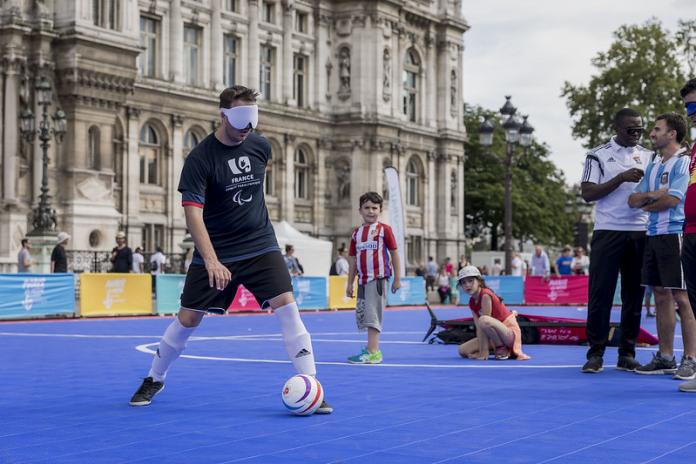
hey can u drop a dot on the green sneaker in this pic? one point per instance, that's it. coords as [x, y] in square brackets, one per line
[365, 357]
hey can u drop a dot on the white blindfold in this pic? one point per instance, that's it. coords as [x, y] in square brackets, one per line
[241, 117]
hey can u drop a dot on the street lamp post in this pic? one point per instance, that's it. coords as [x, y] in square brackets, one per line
[43, 215]
[515, 133]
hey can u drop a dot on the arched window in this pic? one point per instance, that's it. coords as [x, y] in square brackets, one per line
[410, 81]
[191, 139]
[150, 156]
[301, 174]
[413, 180]
[93, 150]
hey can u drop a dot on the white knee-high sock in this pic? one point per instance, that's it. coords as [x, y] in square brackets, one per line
[298, 343]
[172, 344]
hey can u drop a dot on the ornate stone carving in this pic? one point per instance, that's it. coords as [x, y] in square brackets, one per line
[93, 190]
[328, 67]
[344, 73]
[132, 112]
[177, 120]
[343, 27]
[453, 93]
[343, 180]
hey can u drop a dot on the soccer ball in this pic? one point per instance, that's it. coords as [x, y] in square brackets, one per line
[302, 395]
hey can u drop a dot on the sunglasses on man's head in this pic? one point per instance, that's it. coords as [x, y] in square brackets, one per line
[634, 130]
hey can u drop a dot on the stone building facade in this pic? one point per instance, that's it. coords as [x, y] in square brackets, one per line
[349, 87]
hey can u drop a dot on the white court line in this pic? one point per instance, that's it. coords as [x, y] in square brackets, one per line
[669, 452]
[145, 348]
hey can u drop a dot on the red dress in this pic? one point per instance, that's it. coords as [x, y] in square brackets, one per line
[498, 310]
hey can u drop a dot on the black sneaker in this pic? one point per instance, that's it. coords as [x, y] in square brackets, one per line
[146, 392]
[658, 366]
[593, 365]
[325, 408]
[627, 363]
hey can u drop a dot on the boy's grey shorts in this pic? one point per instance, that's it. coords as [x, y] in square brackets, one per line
[372, 298]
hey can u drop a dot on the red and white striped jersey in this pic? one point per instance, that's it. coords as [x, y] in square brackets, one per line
[369, 244]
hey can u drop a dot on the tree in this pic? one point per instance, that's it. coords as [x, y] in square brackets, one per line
[539, 196]
[641, 70]
[686, 40]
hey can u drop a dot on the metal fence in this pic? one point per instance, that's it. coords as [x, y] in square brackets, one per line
[100, 261]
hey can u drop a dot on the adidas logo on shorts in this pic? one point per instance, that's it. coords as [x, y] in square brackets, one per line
[302, 352]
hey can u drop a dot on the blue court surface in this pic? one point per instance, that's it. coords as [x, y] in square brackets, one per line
[65, 386]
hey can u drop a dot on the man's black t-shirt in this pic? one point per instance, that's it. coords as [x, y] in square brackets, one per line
[61, 259]
[123, 261]
[227, 182]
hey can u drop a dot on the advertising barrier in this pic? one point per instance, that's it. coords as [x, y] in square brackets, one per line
[564, 290]
[411, 293]
[35, 295]
[310, 292]
[509, 288]
[169, 288]
[337, 293]
[244, 300]
[115, 294]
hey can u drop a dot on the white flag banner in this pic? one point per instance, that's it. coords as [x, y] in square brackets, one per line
[397, 217]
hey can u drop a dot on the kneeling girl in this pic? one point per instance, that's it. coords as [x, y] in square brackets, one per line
[496, 326]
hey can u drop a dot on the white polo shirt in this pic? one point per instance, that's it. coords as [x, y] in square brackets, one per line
[603, 164]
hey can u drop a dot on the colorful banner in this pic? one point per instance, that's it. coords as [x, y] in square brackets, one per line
[113, 294]
[564, 290]
[509, 288]
[169, 288]
[244, 300]
[397, 216]
[34, 295]
[337, 293]
[310, 292]
[412, 292]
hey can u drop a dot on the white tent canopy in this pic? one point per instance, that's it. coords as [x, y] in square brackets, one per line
[314, 254]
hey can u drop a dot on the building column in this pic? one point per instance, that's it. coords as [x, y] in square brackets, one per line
[288, 191]
[321, 84]
[131, 170]
[176, 42]
[216, 44]
[288, 62]
[431, 81]
[253, 45]
[11, 132]
[175, 213]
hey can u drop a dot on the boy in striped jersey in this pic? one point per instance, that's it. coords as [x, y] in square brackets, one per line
[661, 194]
[372, 252]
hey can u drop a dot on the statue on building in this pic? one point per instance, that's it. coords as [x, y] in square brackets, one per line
[343, 178]
[386, 76]
[344, 72]
[453, 93]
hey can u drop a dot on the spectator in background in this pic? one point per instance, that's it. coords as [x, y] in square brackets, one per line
[518, 267]
[484, 270]
[121, 255]
[497, 268]
[341, 265]
[581, 262]
[462, 263]
[648, 301]
[293, 264]
[157, 262]
[443, 286]
[138, 261]
[24, 256]
[430, 274]
[448, 267]
[188, 257]
[59, 259]
[564, 263]
[540, 263]
[420, 270]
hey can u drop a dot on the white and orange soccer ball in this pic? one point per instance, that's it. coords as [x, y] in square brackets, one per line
[302, 395]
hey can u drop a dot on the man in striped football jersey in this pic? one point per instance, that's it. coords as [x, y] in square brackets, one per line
[373, 258]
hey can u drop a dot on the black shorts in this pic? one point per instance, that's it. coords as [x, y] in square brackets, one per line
[266, 276]
[662, 262]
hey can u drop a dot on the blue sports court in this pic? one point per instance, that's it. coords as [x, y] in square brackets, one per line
[66, 385]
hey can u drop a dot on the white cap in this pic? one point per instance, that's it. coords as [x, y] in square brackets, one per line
[62, 236]
[468, 271]
[120, 234]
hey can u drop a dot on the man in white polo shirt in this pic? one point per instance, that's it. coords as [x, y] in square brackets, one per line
[661, 194]
[610, 176]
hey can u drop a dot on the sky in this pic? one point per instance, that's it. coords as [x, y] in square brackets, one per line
[528, 49]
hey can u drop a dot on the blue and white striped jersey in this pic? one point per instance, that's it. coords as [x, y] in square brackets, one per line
[671, 176]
